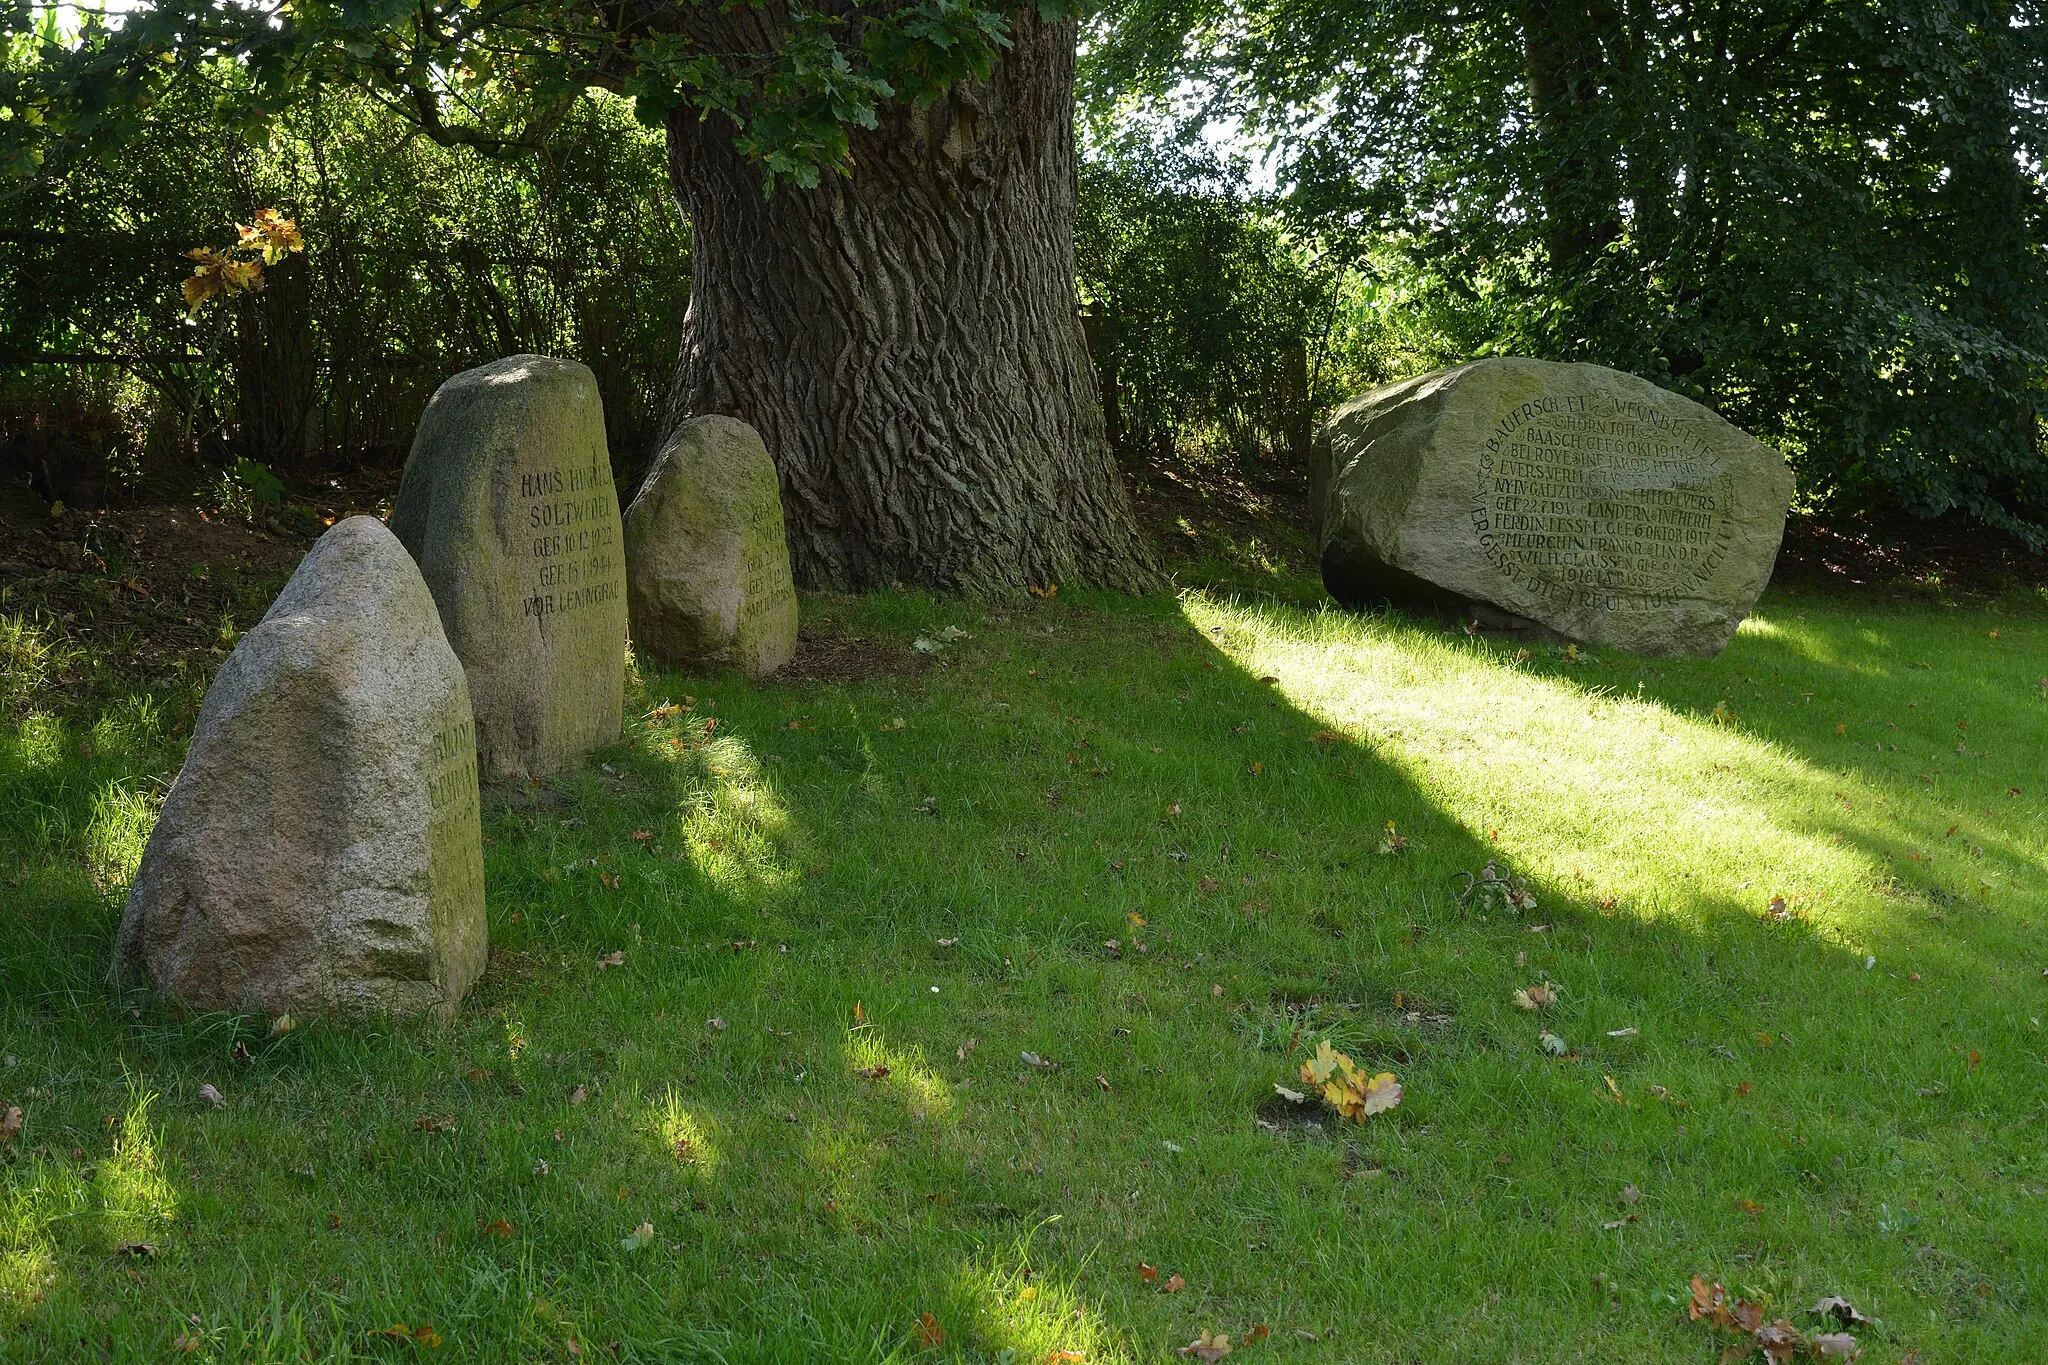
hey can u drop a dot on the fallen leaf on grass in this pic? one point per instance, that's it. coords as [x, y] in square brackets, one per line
[421, 1335]
[1291, 1096]
[1394, 841]
[617, 959]
[579, 1094]
[1835, 1346]
[1065, 1358]
[638, 1237]
[966, 1047]
[1622, 1032]
[872, 1073]
[1103, 1082]
[1174, 1284]
[1840, 1309]
[1976, 1059]
[1032, 1059]
[501, 1228]
[1614, 1092]
[1749, 1206]
[949, 943]
[716, 1023]
[1552, 1044]
[1148, 1273]
[434, 1123]
[140, 1251]
[1537, 997]
[929, 1333]
[1208, 1346]
[11, 1121]
[239, 1052]
[282, 1025]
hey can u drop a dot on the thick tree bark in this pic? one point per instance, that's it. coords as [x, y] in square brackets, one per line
[1564, 64]
[906, 338]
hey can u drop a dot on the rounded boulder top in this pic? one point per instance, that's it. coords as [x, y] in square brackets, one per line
[707, 562]
[508, 505]
[1569, 500]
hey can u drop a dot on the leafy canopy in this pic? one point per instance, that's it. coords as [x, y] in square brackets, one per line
[1824, 217]
[793, 78]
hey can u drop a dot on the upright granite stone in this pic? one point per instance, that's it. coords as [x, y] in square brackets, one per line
[1571, 499]
[320, 852]
[707, 567]
[508, 505]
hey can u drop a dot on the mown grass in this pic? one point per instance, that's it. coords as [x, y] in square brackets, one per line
[1843, 1098]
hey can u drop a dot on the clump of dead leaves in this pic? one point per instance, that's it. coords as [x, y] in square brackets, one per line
[1777, 1341]
[1345, 1088]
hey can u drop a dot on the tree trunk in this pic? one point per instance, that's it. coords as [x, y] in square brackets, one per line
[1564, 63]
[906, 338]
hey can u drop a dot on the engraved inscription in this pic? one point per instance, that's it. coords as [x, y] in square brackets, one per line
[764, 574]
[452, 813]
[563, 516]
[1596, 502]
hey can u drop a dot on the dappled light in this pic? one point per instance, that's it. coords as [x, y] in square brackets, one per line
[899, 1073]
[135, 1190]
[865, 1019]
[682, 1137]
[1022, 1313]
[27, 1255]
[734, 824]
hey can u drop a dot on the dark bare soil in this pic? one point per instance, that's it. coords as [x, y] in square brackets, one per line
[154, 594]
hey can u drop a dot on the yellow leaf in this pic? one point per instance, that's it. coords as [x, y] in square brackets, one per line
[272, 234]
[1318, 1069]
[1382, 1093]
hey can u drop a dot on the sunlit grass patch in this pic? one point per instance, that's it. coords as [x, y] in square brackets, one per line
[900, 1073]
[28, 1266]
[121, 820]
[683, 1139]
[31, 659]
[135, 1190]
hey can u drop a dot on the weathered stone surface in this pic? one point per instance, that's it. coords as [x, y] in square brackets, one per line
[1534, 496]
[320, 851]
[707, 568]
[508, 505]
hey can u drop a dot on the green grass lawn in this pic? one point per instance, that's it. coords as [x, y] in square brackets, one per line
[941, 871]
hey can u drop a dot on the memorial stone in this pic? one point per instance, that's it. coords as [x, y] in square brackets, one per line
[320, 851]
[1571, 500]
[508, 505]
[707, 565]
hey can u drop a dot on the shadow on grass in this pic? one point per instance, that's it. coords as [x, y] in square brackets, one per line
[941, 989]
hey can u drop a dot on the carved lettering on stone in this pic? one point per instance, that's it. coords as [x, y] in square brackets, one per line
[1566, 498]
